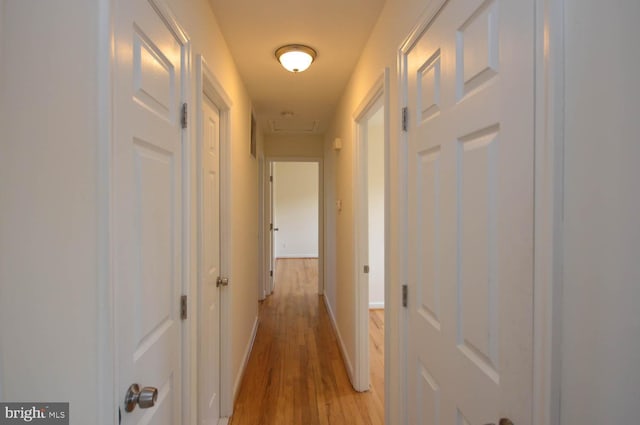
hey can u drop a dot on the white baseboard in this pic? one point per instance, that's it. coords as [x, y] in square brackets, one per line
[223, 421]
[343, 349]
[376, 306]
[245, 360]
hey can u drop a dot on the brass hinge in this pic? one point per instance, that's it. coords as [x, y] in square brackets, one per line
[271, 178]
[271, 273]
[222, 281]
[183, 307]
[405, 295]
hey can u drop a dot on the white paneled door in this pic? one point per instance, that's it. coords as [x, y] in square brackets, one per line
[209, 307]
[470, 215]
[147, 211]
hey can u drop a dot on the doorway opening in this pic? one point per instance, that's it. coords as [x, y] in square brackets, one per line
[371, 214]
[376, 245]
[294, 208]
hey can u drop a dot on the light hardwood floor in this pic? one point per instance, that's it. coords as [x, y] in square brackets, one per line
[295, 375]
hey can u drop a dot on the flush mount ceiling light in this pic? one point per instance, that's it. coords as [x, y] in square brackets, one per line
[295, 57]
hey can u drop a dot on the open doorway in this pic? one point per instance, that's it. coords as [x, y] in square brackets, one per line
[376, 245]
[295, 204]
[371, 213]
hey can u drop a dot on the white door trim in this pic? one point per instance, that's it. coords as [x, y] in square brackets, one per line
[548, 202]
[269, 261]
[548, 174]
[207, 84]
[378, 94]
[262, 271]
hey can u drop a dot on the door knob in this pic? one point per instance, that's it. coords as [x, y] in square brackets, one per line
[503, 421]
[145, 398]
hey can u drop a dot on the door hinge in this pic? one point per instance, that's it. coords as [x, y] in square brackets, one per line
[271, 178]
[183, 307]
[405, 119]
[183, 116]
[270, 273]
[222, 281]
[405, 295]
[366, 269]
[270, 226]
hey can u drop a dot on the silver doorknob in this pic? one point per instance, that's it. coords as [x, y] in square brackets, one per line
[503, 421]
[145, 398]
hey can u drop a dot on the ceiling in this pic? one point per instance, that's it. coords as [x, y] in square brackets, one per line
[336, 29]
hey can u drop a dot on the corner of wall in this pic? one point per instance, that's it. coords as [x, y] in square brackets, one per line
[343, 348]
[245, 359]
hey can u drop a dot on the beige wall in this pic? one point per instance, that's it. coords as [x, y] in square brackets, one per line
[278, 146]
[396, 21]
[54, 296]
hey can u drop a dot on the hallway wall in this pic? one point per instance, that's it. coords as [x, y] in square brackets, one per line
[55, 297]
[294, 146]
[396, 21]
[601, 279]
[51, 242]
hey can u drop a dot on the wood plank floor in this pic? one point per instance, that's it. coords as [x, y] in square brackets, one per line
[295, 374]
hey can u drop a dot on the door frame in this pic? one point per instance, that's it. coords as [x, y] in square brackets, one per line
[269, 160]
[208, 85]
[548, 201]
[267, 264]
[262, 274]
[377, 95]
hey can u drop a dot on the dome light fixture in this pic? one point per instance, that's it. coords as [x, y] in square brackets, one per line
[295, 57]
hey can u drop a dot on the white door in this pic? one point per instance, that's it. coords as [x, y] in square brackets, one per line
[209, 311]
[147, 209]
[470, 212]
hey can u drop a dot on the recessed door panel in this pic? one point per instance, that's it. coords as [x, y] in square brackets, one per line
[428, 215]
